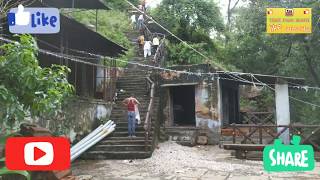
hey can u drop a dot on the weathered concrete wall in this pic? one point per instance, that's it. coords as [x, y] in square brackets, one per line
[206, 104]
[78, 118]
[207, 111]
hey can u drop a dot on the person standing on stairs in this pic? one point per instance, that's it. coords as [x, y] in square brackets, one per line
[141, 43]
[143, 4]
[147, 48]
[133, 21]
[140, 21]
[155, 44]
[130, 104]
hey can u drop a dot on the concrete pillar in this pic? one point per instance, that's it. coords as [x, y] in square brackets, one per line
[283, 110]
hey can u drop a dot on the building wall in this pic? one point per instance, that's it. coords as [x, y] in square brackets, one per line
[207, 104]
[206, 96]
[78, 118]
[206, 108]
[207, 111]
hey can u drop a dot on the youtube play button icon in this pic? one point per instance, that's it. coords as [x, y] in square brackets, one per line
[37, 153]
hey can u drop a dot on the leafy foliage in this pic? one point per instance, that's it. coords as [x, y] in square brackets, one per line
[120, 5]
[250, 49]
[193, 21]
[244, 45]
[188, 16]
[25, 87]
[180, 54]
[112, 24]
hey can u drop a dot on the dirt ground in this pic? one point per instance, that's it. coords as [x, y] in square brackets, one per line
[174, 162]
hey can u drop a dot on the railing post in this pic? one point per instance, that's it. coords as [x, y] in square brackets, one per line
[147, 124]
[233, 133]
[260, 133]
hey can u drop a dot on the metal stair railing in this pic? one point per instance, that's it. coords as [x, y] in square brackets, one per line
[147, 123]
[160, 52]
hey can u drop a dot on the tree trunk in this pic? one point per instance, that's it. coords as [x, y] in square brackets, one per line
[229, 13]
[311, 67]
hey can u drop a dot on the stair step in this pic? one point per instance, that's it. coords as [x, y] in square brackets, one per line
[99, 155]
[121, 107]
[122, 138]
[130, 81]
[139, 86]
[133, 141]
[125, 128]
[127, 90]
[145, 95]
[123, 110]
[122, 147]
[125, 133]
[138, 80]
[135, 73]
[123, 118]
[125, 123]
[141, 79]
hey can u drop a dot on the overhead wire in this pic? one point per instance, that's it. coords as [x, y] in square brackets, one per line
[184, 42]
[61, 55]
[296, 99]
[233, 75]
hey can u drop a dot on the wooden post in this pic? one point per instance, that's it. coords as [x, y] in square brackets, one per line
[260, 133]
[283, 109]
[233, 133]
[104, 80]
[96, 20]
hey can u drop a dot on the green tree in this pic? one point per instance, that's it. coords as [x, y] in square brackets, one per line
[250, 49]
[120, 5]
[112, 24]
[192, 21]
[26, 88]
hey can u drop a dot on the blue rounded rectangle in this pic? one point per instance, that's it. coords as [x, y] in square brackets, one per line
[11, 19]
[34, 21]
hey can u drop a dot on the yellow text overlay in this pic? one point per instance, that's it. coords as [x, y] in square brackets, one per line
[289, 21]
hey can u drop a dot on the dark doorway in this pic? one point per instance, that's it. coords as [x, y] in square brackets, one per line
[183, 103]
[230, 103]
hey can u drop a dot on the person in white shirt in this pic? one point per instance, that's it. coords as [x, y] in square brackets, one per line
[133, 21]
[147, 48]
[155, 44]
[140, 21]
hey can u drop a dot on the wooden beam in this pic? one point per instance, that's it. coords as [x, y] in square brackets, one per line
[179, 84]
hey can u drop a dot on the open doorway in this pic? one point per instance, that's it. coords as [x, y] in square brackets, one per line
[230, 103]
[183, 105]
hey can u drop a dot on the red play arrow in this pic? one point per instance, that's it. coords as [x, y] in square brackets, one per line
[38, 153]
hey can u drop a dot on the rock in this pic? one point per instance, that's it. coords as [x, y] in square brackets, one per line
[85, 177]
[202, 140]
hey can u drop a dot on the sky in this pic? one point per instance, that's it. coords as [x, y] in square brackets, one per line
[154, 3]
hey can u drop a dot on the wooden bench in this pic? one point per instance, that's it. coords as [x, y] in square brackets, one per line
[242, 149]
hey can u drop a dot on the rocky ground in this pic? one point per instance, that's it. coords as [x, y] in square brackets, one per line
[172, 161]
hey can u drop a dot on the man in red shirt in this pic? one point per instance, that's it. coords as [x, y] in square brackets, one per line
[130, 104]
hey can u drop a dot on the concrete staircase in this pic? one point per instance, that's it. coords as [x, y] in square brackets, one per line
[118, 145]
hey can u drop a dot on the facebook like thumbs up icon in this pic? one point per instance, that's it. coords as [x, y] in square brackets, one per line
[20, 18]
[33, 20]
